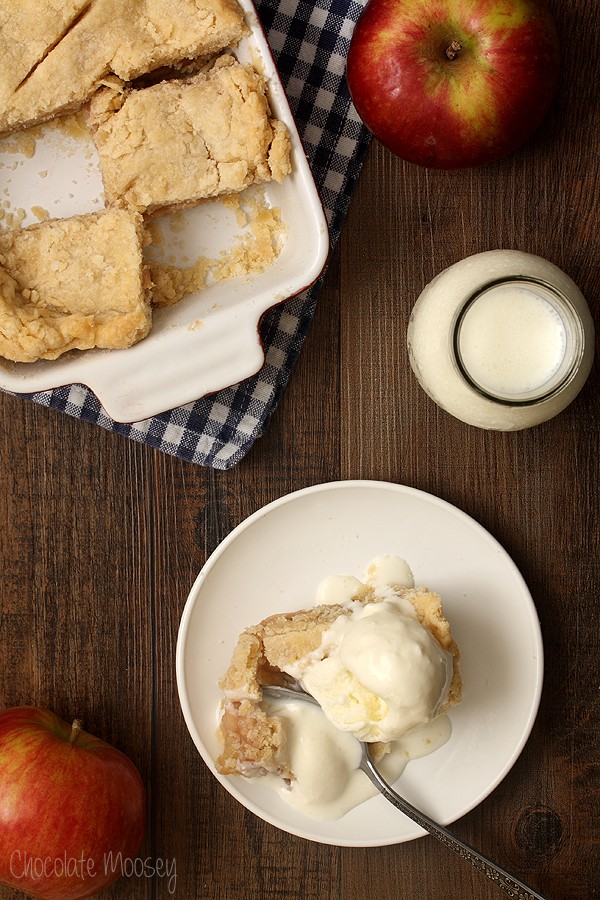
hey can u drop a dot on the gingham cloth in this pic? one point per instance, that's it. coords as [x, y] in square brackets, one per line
[309, 42]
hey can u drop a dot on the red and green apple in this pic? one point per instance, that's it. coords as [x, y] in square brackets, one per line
[71, 807]
[453, 83]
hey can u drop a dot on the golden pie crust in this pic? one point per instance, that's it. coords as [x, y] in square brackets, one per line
[55, 53]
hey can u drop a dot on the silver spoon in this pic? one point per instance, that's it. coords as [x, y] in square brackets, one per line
[506, 882]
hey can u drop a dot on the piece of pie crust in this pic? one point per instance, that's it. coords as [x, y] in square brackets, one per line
[73, 284]
[178, 142]
[55, 53]
[253, 743]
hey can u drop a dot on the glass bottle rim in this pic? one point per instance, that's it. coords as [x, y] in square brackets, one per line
[568, 367]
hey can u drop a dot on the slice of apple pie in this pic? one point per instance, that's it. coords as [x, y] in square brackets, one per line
[73, 284]
[175, 143]
[290, 648]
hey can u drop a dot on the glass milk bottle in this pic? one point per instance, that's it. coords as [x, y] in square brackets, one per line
[501, 340]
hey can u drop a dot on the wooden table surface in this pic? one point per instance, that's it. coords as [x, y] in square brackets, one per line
[101, 538]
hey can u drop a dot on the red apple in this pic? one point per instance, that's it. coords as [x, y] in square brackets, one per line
[453, 83]
[72, 807]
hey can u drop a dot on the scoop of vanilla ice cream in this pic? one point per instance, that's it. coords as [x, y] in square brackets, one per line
[384, 573]
[379, 672]
[389, 570]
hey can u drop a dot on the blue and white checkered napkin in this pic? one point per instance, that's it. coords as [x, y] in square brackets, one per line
[309, 41]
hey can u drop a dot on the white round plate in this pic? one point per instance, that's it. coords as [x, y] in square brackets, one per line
[274, 560]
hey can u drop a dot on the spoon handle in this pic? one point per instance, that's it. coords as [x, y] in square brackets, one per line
[510, 885]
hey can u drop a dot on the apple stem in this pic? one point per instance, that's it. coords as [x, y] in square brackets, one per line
[453, 50]
[75, 729]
